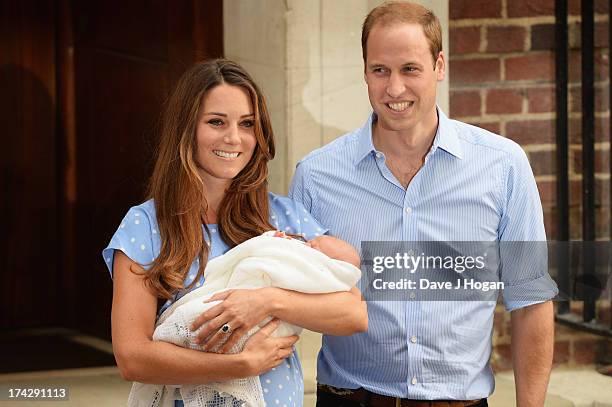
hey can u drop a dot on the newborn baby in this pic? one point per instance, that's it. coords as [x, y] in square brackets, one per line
[272, 259]
[332, 246]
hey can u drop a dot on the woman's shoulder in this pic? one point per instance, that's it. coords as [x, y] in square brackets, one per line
[137, 236]
[147, 207]
[144, 212]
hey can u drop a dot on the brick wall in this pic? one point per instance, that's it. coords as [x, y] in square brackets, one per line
[502, 78]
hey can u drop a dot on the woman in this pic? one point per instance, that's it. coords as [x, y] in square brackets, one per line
[209, 193]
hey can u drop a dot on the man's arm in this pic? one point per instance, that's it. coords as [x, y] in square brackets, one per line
[532, 352]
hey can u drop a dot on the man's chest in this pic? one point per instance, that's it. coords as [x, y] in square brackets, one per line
[439, 204]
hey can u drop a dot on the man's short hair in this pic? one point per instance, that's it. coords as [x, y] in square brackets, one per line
[403, 12]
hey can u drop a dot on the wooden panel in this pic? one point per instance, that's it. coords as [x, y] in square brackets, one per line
[115, 119]
[79, 151]
[123, 72]
[28, 165]
[137, 27]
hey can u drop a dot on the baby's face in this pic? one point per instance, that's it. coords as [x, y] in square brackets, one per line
[314, 243]
[279, 233]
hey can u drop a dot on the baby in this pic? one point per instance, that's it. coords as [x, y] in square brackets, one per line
[262, 261]
[331, 246]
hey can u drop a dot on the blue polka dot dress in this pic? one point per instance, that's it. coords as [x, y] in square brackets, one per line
[138, 237]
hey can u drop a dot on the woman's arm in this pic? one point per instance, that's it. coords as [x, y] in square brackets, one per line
[139, 358]
[339, 313]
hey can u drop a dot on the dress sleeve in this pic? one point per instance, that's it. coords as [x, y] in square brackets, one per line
[134, 237]
[308, 226]
[522, 239]
[292, 217]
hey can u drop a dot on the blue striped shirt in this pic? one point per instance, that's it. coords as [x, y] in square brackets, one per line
[473, 186]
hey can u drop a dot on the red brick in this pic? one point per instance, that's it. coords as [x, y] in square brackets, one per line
[543, 162]
[561, 352]
[575, 222]
[575, 68]
[602, 223]
[602, 99]
[465, 103]
[506, 39]
[530, 8]
[542, 37]
[493, 127]
[602, 65]
[573, 6]
[575, 192]
[531, 131]
[602, 195]
[573, 35]
[504, 101]
[600, 35]
[602, 6]
[466, 71]
[602, 161]
[541, 100]
[540, 66]
[464, 40]
[474, 9]
[548, 191]
[550, 222]
[602, 130]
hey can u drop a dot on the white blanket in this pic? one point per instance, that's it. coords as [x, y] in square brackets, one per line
[262, 261]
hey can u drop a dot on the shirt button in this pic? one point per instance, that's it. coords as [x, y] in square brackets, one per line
[413, 339]
[414, 380]
[410, 252]
[408, 210]
[412, 296]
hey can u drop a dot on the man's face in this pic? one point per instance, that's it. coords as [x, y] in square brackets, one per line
[401, 77]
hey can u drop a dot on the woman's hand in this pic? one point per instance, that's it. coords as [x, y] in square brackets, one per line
[263, 352]
[240, 309]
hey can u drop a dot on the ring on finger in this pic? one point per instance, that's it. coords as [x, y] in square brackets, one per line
[226, 329]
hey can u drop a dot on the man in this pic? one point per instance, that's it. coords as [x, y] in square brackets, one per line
[412, 174]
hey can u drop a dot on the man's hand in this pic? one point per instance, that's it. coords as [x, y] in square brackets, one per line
[533, 331]
[240, 309]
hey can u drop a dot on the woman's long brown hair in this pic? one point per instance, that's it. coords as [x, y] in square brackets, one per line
[177, 189]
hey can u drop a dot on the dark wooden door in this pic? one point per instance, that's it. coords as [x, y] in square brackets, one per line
[29, 279]
[81, 88]
[127, 55]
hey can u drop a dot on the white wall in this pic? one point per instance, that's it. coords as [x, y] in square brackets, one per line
[306, 56]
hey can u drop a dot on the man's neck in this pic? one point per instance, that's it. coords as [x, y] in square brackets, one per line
[412, 144]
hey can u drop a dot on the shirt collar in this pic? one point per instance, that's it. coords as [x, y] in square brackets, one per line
[365, 145]
[446, 138]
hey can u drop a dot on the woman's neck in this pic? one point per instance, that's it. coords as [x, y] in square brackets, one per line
[214, 196]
